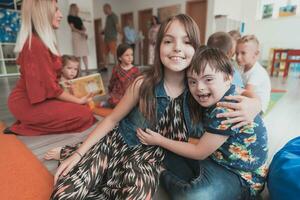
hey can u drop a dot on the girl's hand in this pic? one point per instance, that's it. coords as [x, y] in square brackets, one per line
[66, 166]
[149, 137]
[86, 99]
[244, 112]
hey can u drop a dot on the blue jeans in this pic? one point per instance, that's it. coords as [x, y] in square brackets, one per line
[211, 181]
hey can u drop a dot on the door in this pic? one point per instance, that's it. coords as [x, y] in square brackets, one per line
[144, 25]
[99, 42]
[198, 11]
[124, 20]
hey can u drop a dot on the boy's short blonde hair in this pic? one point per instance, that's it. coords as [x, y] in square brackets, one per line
[249, 38]
[235, 34]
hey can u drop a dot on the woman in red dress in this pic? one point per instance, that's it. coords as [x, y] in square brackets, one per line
[38, 102]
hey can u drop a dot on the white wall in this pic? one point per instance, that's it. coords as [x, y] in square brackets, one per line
[64, 32]
[272, 33]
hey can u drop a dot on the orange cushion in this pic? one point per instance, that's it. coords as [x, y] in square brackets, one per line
[103, 112]
[22, 175]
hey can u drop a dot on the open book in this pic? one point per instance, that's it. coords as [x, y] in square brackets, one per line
[84, 85]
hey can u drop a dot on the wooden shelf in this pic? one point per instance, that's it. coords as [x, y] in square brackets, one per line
[290, 56]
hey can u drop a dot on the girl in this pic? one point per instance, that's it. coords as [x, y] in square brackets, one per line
[122, 76]
[79, 35]
[111, 163]
[70, 69]
[37, 100]
[233, 159]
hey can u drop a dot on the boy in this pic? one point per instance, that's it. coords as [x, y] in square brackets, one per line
[224, 42]
[255, 77]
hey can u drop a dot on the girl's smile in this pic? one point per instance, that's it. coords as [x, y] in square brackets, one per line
[176, 50]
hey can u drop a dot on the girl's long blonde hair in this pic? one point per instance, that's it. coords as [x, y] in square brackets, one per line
[147, 102]
[36, 17]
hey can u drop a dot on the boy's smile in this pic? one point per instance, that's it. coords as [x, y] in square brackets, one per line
[207, 88]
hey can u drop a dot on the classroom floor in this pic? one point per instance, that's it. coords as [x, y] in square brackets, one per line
[282, 121]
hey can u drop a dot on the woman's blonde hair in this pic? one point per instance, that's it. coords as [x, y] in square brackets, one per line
[36, 17]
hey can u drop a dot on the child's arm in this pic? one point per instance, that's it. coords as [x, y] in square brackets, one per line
[112, 80]
[65, 96]
[247, 106]
[207, 144]
[129, 100]
[76, 30]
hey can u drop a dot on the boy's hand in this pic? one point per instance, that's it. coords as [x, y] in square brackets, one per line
[149, 137]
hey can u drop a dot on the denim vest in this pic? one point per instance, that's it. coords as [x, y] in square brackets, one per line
[135, 119]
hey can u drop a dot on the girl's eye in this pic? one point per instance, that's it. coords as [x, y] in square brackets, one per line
[187, 42]
[191, 82]
[167, 41]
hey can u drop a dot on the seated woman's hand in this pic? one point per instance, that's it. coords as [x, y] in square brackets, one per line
[66, 166]
[244, 110]
[148, 137]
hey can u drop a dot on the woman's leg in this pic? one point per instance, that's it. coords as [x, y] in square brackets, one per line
[85, 62]
[213, 183]
[87, 174]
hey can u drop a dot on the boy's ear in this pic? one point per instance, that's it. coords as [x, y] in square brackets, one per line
[230, 53]
[230, 79]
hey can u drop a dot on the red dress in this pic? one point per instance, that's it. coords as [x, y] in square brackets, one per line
[33, 101]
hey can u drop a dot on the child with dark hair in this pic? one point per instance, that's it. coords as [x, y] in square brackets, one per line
[123, 74]
[232, 160]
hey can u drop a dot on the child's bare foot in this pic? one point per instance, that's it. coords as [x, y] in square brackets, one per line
[53, 154]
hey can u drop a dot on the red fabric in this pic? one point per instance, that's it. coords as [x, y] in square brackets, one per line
[103, 112]
[119, 82]
[33, 101]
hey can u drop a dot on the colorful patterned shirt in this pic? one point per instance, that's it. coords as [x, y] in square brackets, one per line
[245, 150]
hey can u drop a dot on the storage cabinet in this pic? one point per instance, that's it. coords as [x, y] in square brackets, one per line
[8, 64]
[285, 56]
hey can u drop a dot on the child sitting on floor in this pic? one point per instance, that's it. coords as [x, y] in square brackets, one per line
[255, 77]
[70, 69]
[122, 76]
[237, 155]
